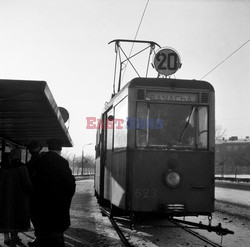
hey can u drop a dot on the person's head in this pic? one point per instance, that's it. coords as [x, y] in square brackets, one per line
[54, 145]
[34, 147]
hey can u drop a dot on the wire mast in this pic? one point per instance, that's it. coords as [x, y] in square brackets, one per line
[123, 58]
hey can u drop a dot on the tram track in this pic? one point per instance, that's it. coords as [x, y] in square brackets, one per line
[197, 235]
[116, 227]
[121, 235]
[115, 221]
[127, 243]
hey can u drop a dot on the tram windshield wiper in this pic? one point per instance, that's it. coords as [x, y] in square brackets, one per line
[187, 123]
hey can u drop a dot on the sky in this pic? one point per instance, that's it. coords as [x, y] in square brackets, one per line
[65, 43]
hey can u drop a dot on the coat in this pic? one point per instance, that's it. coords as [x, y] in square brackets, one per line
[54, 187]
[15, 187]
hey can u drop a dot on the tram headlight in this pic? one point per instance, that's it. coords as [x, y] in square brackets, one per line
[172, 179]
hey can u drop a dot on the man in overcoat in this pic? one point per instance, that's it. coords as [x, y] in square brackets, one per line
[54, 187]
[15, 188]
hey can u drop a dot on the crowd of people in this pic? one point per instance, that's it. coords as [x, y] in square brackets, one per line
[38, 192]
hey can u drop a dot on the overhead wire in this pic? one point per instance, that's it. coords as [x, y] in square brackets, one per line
[136, 34]
[144, 11]
[232, 119]
[225, 59]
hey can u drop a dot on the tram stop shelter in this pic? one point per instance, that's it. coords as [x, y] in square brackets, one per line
[29, 112]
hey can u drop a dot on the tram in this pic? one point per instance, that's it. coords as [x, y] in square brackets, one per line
[155, 148]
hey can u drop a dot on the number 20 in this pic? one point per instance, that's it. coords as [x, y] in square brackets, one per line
[171, 57]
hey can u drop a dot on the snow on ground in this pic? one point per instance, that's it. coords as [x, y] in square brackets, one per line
[240, 197]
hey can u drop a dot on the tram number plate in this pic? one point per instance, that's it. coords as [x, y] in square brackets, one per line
[145, 193]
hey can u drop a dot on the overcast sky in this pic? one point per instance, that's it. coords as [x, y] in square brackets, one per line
[65, 43]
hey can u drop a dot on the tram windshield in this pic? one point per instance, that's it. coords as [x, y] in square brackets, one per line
[172, 126]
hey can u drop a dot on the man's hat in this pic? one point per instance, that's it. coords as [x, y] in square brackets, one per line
[55, 144]
[34, 146]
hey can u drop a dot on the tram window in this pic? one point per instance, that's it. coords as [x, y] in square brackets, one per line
[203, 127]
[177, 125]
[141, 128]
[120, 124]
[172, 126]
[109, 127]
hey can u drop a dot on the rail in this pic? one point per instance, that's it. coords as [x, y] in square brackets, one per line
[116, 227]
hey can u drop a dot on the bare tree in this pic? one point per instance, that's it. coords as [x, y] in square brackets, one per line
[89, 164]
[80, 165]
[219, 132]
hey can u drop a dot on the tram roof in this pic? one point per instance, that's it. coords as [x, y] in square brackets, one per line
[29, 112]
[169, 82]
[161, 83]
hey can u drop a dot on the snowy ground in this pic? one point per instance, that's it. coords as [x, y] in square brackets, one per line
[241, 197]
[232, 209]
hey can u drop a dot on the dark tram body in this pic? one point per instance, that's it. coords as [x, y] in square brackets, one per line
[155, 148]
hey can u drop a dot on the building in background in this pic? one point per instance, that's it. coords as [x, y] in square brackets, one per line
[232, 157]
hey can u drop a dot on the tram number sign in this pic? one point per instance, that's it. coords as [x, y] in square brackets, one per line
[166, 61]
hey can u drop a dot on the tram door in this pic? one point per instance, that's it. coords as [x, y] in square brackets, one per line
[106, 151]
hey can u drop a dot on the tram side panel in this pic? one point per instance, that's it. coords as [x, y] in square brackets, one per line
[111, 169]
[119, 154]
[119, 178]
[107, 189]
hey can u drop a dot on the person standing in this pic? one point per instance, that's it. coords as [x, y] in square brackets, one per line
[54, 187]
[15, 187]
[34, 149]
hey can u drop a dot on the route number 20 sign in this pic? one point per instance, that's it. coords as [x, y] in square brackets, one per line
[166, 61]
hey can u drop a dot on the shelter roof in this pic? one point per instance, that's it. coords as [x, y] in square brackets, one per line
[29, 112]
